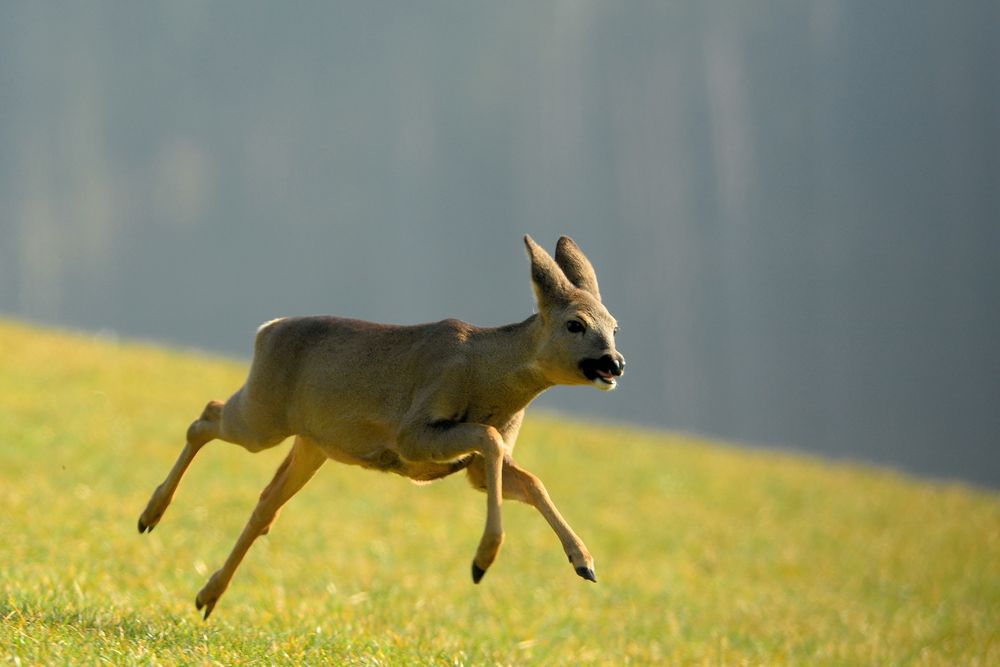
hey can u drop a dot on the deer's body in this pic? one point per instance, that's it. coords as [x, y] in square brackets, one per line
[348, 385]
[420, 401]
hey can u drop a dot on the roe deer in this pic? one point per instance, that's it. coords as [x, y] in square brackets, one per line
[421, 401]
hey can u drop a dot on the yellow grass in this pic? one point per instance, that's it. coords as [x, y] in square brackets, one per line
[706, 554]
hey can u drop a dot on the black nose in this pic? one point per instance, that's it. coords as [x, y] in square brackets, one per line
[613, 365]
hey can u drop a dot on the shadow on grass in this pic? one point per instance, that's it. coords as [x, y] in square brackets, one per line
[103, 624]
[56, 632]
[59, 631]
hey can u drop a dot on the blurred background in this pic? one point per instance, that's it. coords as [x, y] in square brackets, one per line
[793, 206]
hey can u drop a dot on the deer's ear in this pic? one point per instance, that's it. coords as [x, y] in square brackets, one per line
[550, 283]
[576, 266]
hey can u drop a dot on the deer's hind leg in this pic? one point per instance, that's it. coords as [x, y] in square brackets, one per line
[299, 466]
[201, 431]
[231, 422]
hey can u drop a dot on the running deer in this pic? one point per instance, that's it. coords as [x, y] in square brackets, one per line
[421, 401]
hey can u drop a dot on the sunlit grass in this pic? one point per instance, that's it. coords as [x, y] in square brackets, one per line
[705, 554]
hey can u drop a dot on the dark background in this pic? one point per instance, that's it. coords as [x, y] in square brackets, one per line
[792, 206]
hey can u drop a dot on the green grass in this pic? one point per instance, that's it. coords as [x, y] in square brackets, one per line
[705, 554]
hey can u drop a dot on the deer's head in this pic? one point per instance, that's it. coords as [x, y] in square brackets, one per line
[578, 345]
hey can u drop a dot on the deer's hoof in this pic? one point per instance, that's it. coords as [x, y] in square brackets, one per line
[209, 606]
[147, 524]
[150, 517]
[477, 573]
[587, 573]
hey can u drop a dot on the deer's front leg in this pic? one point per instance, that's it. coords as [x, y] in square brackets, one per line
[442, 443]
[521, 485]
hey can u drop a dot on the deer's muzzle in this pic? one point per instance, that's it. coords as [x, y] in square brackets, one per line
[604, 371]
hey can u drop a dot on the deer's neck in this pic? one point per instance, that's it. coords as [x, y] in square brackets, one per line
[509, 357]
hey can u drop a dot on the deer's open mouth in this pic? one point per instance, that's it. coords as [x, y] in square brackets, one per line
[599, 375]
[606, 380]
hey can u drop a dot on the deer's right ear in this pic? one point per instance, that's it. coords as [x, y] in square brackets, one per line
[551, 285]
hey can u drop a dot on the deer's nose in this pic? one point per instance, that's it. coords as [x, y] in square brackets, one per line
[612, 364]
[620, 360]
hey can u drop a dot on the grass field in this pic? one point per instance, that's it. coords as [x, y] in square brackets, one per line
[705, 554]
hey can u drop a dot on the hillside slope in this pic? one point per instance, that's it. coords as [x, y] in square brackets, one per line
[705, 554]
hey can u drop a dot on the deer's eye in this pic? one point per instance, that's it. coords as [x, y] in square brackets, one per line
[574, 326]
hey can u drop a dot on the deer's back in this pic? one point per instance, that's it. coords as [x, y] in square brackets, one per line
[331, 377]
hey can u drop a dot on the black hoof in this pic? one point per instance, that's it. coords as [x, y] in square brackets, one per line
[587, 573]
[143, 528]
[208, 607]
[477, 573]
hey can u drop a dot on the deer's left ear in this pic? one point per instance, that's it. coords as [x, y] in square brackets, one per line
[551, 285]
[576, 266]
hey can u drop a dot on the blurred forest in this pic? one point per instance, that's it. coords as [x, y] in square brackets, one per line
[793, 207]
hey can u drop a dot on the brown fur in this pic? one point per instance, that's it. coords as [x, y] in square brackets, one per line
[420, 401]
